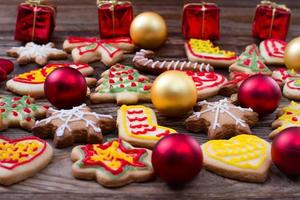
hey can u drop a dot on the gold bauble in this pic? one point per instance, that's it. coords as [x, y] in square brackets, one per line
[292, 54]
[148, 30]
[173, 93]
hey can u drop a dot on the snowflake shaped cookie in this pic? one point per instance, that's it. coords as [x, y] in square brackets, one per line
[39, 54]
[77, 125]
[221, 119]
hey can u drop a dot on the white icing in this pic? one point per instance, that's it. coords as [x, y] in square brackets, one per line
[176, 64]
[153, 64]
[182, 65]
[162, 64]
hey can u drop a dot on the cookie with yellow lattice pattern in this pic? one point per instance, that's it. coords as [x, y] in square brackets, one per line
[243, 157]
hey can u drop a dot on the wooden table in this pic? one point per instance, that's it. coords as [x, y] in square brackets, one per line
[80, 18]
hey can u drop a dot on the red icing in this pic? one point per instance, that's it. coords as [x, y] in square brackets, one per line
[275, 52]
[75, 39]
[206, 77]
[290, 85]
[237, 78]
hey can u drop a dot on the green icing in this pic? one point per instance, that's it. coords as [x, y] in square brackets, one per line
[255, 62]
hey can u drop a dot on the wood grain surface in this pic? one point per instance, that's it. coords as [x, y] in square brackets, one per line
[79, 17]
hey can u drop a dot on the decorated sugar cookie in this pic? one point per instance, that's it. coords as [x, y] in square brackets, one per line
[235, 80]
[22, 158]
[77, 125]
[287, 117]
[20, 111]
[112, 164]
[32, 83]
[221, 119]
[39, 54]
[250, 62]
[138, 126]
[122, 84]
[272, 51]
[143, 62]
[204, 51]
[208, 84]
[243, 157]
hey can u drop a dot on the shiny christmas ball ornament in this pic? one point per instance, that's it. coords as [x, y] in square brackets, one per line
[292, 54]
[286, 151]
[65, 88]
[173, 93]
[261, 93]
[148, 30]
[177, 158]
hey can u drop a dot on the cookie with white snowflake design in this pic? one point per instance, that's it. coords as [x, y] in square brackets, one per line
[76, 125]
[221, 119]
[39, 54]
[20, 111]
[272, 51]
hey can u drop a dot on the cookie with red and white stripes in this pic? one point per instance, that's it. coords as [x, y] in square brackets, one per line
[272, 51]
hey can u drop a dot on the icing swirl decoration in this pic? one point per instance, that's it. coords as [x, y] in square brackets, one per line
[274, 47]
[205, 80]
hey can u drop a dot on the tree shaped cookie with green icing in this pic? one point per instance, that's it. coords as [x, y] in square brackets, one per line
[122, 84]
[20, 111]
[250, 62]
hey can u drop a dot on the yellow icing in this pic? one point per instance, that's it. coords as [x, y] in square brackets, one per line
[290, 112]
[147, 112]
[242, 151]
[206, 46]
[38, 75]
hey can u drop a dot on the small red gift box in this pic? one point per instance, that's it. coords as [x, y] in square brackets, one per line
[201, 20]
[35, 22]
[114, 18]
[271, 21]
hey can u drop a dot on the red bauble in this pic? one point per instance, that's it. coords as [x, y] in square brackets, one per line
[6, 65]
[261, 93]
[65, 88]
[177, 158]
[286, 151]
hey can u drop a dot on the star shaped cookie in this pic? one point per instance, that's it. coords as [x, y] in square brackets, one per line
[77, 125]
[39, 54]
[20, 111]
[112, 164]
[221, 119]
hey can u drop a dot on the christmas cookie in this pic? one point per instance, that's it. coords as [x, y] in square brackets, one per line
[204, 51]
[221, 119]
[272, 51]
[39, 54]
[20, 111]
[32, 83]
[77, 125]
[243, 157]
[122, 84]
[232, 86]
[138, 126]
[112, 164]
[143, 62]
[283, 75]
[250, 62]
[22, 158]
[287, 117]
[291, 89]
[208, 84]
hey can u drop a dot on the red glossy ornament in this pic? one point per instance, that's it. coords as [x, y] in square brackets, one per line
[177, 158]
[261, 93]
[286, 151]
[6, 65]
[65, 88]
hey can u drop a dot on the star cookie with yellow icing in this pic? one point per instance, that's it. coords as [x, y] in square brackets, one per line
[287, 117]
[221, 119]
[243, 157]
[138, 126]
[112, 164]
[22, 158]
[32, 82]
[204, 51]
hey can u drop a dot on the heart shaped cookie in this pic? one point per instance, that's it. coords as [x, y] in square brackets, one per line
[243, 157]
[22, 158]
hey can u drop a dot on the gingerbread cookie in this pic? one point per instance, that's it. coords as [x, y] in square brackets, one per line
[143, 62]
[32, 83]
[208, 84]
[20, 111]
[232, 86]
[243, 157]
[22, 158]
[272, 51]
[221, 119]
[250, 62]
[39, 54]
[77, 125]
[112, 164]
[204, 51]
[122, 84]
[138, 126]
